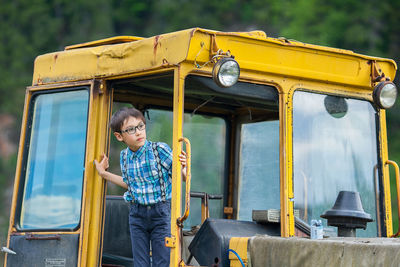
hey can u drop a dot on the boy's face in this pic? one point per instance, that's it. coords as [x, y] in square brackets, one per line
[133, 140]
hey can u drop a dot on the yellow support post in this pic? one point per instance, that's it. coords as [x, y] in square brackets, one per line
[176, 206]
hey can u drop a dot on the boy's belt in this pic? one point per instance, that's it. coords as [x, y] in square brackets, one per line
[149, 206]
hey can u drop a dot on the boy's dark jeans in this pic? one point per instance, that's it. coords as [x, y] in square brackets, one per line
[150, 223]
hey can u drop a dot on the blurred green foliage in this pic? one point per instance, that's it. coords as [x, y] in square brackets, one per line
[32, 27]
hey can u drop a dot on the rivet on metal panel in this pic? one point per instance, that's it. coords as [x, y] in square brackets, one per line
[101, 89]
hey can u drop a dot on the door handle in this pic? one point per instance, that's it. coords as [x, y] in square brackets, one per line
[396, 169]
[188, 178]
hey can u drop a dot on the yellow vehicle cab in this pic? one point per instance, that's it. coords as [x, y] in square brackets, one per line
[276, 131]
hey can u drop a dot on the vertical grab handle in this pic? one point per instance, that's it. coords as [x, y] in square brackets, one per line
[396, 168]
[188, 178]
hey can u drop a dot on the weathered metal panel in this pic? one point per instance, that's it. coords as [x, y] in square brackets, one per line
[277, 251]
[43, 250]
[110, 60]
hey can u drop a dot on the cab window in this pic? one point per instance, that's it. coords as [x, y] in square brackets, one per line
[252, 113]
[52, 182]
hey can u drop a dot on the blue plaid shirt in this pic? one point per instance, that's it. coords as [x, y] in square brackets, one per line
[143, 179]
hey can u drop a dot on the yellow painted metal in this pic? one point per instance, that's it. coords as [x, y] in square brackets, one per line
[87, 191]
[397, 177]
[176, 167]
[180, 220]
[305, 63]
[285, 165]
[240, 246]
[109, 60]
[11, 227]
[94, 187]
[170, 242]
[291, 59]
[254, 51]
[107, 41]
[385, 173]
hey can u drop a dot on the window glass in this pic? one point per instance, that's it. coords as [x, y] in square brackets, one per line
[207, 137]
[55, 164]
[334, 149]
[259, 168]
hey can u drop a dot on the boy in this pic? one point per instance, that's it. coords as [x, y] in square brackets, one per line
[146, 173]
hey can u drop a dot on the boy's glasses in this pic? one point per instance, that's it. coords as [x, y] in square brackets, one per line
[132, 130]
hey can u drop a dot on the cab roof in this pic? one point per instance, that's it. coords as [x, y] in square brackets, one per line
[254, 51]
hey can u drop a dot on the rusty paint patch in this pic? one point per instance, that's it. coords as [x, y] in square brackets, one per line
[192, 32]
[155, 45]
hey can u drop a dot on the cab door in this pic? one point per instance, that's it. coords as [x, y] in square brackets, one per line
[45, 225]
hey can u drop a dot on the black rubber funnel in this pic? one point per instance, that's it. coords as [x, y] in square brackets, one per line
[347, 214]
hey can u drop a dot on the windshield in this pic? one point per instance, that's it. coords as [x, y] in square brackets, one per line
[55, 165]
[334, 149]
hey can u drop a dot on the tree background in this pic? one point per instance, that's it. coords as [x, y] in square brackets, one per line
[29, 28]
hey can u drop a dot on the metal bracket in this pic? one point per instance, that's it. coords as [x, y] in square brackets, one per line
[228, 210]
[170, 242]
[215, 51]
[99, 86]
[213, 46]
[377, 74]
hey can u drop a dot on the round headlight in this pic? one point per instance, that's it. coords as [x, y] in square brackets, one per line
[385, 94]
[226, 72]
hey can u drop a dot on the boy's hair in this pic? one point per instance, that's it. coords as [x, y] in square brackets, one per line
[118, 118]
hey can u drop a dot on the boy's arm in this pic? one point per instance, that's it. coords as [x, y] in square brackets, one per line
[102, 167]
[184, 174]
[182, 159]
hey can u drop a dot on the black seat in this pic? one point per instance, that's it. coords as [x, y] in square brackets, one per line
[117, 247]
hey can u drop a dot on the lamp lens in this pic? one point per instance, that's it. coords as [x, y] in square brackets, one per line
[388, 95]
[228, 73]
